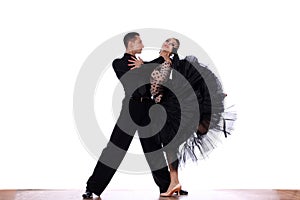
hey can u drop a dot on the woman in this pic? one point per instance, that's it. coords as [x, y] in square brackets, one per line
[161, 95]
[193, 101]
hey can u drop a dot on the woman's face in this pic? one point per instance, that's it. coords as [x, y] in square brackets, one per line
[169, 45]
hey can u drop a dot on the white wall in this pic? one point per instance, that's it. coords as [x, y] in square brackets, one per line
[254, 45]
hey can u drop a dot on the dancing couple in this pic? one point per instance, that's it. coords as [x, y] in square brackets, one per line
[192, 98]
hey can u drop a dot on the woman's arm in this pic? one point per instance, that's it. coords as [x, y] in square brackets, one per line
[158, 76]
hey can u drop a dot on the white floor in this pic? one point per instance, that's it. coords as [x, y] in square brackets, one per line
[149, 195]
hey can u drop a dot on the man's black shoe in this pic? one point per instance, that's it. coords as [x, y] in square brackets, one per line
[87, 195]
[183, 192]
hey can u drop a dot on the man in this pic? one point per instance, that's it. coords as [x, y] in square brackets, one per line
[136, 105]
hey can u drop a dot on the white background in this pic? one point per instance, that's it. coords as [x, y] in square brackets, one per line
[253, 44]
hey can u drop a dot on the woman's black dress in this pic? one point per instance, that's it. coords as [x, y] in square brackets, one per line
[193, 100]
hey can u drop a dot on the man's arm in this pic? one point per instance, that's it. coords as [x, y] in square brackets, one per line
[137, 63]
[158, 60]
[121, 67]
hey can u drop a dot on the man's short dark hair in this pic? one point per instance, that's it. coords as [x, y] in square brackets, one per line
[129, 37]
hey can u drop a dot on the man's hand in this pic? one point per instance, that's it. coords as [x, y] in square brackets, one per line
[136, 62]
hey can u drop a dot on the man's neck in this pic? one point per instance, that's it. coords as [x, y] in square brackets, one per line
[130, 52]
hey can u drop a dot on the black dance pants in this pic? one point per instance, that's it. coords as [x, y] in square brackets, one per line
[111, 157]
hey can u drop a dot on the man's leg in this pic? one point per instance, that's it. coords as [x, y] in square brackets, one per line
[103, 174]
[156, 162]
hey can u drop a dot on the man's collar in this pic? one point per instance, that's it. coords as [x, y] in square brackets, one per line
[129, 55]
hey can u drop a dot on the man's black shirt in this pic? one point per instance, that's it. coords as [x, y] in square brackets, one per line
[135, 76]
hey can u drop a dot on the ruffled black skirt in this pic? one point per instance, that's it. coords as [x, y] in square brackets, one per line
[193, 101]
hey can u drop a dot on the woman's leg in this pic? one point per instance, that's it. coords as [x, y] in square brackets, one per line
[174, 183]
[173, 170]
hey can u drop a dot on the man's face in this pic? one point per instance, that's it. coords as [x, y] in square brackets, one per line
[137, 45]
